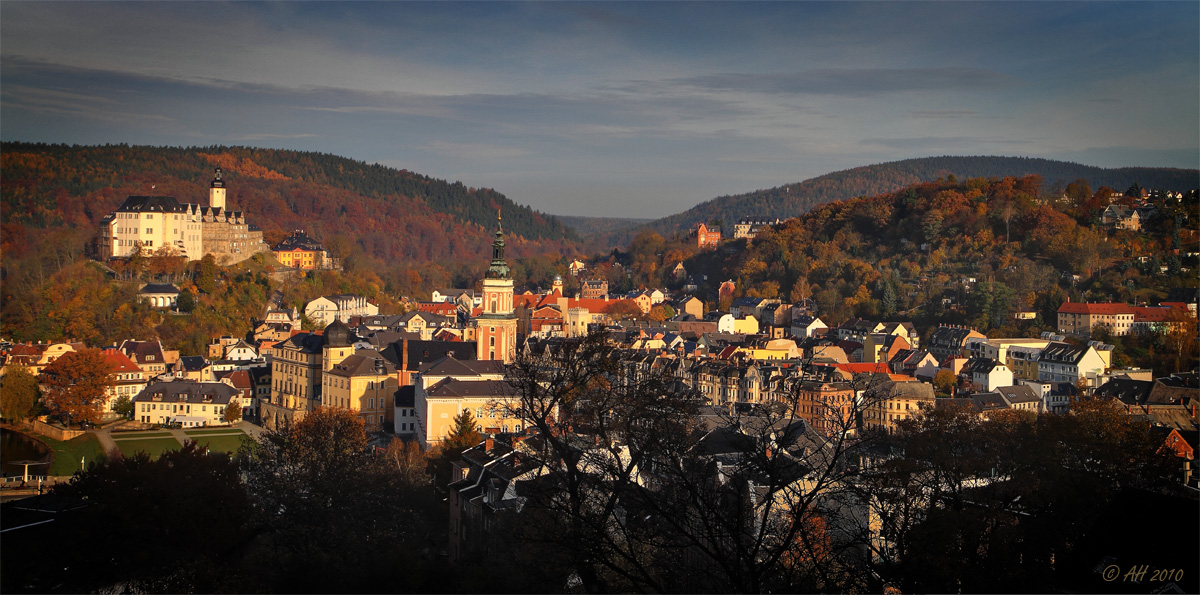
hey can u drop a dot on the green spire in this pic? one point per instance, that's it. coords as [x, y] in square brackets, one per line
[499, 268]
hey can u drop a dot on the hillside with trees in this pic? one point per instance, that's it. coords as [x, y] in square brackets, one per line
[396, 233]
[974, 252]
[791, 200]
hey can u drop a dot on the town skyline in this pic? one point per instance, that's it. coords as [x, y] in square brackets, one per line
[612, 109]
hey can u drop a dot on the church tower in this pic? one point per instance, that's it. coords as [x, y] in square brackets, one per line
[496, 327]
[216, 192]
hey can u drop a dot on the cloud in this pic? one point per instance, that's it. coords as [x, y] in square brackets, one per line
[922, 143]
[69, 104]
[945, 113]
[851, 82]
[477, 151]
[269, 136]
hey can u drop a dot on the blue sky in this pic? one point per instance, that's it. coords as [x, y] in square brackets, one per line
[614, 109]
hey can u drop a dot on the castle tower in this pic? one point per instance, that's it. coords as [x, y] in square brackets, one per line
[216, 192]
[557, 285]
[496, 327]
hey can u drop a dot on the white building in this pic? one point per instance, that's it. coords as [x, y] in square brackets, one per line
[325, 309]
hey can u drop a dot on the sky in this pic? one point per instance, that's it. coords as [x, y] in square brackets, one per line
[639, 109]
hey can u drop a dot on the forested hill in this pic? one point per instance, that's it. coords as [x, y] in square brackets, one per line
[792, 200]
[38, 177]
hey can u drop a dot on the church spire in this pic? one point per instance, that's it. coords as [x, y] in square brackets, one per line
[499, 268]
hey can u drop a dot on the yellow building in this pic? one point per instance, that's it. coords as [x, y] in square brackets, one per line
[185, 403]
[302, 252]
[447, 386]
[364, 383]
[296, 369]
[746, 326]
[890, 403]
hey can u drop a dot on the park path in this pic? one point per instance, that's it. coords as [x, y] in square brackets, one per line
[107, 444]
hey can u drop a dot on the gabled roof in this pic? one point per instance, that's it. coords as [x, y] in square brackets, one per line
[119, 362]
[453, 388]
[1063, 353]
[190, 391]
[192, 363]
[1125, 390]
[364, 362]
[240, 379]
[162, 204]
[449, 366]
[144, 351]
[1018, 394]
[980, 365]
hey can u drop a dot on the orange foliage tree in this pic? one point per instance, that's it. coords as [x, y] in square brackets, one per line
[75, 384]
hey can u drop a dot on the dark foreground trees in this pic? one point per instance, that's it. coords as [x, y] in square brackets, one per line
[999, 505]
[631, 483]
[175, 523]
[332, 516]
[642, 487]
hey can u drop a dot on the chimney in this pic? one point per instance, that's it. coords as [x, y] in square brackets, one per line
[489, 444]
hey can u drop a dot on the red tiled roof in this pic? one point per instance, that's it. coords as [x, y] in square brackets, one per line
[1095, 308]
[442, 308]
[119, 361]
[861, 367]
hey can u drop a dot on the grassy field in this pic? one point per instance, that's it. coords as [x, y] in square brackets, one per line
[67, 454]
[213, 432]
[152, 446]
[228, 444]
[127, 435]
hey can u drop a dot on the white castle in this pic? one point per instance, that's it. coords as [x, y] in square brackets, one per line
[190, 229]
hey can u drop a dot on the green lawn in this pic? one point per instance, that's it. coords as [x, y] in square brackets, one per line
[67, 454]
[128, 435]
[153, 446]
[213, 432]
[228, 444]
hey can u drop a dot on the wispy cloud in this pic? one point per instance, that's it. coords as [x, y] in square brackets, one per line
[268, 136]
[943, 114]
[70, 104]
[853, 82]
[925, 143]
[475, 150]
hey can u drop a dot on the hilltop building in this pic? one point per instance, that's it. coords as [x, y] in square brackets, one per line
[707, 237]
[302, 252]
[748, 228]
[192, 230]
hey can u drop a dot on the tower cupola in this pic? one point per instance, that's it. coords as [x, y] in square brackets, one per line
[499, 268]
[216, 191]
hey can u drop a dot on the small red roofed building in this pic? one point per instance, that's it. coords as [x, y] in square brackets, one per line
[439, 308]
[128, 378]
[707, 237]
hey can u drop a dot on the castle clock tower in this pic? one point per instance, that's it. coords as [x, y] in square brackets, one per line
[496, 327]
[216, 192]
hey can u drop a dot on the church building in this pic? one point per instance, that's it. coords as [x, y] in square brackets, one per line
[496, 327]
